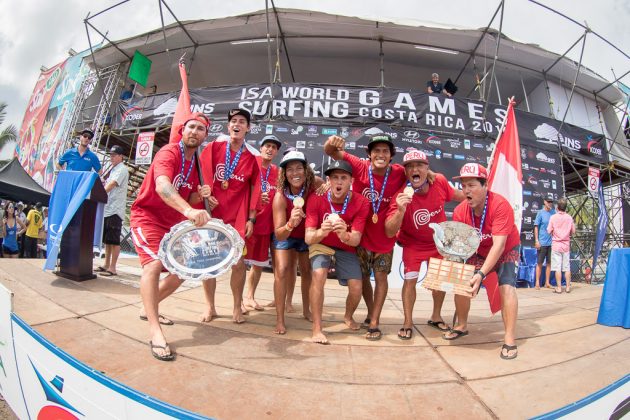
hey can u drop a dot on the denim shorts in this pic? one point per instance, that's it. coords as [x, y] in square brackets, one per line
[290, 243]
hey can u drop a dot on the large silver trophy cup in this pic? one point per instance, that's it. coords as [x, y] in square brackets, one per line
[200, 253]
[456, 242]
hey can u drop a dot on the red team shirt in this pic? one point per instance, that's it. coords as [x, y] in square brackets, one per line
[264, 217]
[374, 238]
[355, 216]
[415, 233]
[499, 221]
[298, 231]
[149, 210]
[235, 202]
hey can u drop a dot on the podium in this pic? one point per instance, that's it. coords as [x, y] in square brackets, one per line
[76, 248]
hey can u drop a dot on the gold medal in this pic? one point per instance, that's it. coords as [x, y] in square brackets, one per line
[333, 217]
[298, 202]
[408, 191]
[224, 185]
[375, 218]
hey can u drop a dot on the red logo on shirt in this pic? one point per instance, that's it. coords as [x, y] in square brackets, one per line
[423, 216]
[178, 184]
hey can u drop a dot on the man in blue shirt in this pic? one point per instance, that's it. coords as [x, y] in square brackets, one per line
[543, 240]
[80, 158]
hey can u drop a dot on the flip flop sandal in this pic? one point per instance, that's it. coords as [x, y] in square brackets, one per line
[366, 323]
[507, 350]
[457, 333]
[370, 337]
[164, 358]
[161, 318]
[407, 333]
[99, 269]
[108, 273]
[436, 325]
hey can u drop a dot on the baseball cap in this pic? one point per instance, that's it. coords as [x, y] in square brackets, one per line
[549, 198]
[374, 139]
[116, 150]
[239, 111]
[341, 165]
[292, 156]
[415, 156]
[271, 138]
[198, 116]
[89, 132]
[472, 170]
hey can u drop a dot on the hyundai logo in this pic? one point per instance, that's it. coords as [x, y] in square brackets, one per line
[410, 134]
[215, 128]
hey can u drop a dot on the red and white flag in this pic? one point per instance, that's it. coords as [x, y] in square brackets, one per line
[183, 106]
[505, 169]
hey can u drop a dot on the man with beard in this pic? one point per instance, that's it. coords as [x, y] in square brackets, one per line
[169, 188]
[258, 244]
[235, 194]
[334, 225]
[408, 217]
[492, 215]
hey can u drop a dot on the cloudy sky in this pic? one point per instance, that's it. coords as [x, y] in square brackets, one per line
[35, 33]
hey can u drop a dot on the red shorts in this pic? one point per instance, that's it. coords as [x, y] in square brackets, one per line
[412, 259]
[257, 247]
[147, 242]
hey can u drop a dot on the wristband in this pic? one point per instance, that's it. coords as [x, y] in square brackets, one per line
[483, 276]
[187, 211]
[289, 227]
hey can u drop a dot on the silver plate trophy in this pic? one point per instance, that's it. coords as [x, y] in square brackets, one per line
[200, 253]
[456, 242]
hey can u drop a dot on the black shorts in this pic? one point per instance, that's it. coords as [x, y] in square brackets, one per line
[544, 254]
[111, 230]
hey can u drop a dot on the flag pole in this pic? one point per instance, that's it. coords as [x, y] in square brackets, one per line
[491, 161]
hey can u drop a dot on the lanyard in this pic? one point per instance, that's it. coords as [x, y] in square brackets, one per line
[483, 215]
[231, 166]
[377, 206]
[192, 163]
[290, 196]
[264, 182]
[417, 190]
[345, 204]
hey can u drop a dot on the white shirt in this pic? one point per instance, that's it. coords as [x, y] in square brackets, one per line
[117, 197]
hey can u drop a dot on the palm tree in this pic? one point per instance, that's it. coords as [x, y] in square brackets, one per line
[8, 134]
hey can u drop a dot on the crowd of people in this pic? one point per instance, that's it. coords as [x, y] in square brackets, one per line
[23, 230]
[348, 223]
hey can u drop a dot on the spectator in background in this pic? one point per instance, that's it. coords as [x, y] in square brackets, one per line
[152, 90]
[20, 213]
[33, 223]
[80, 158]
[561, 227]
[43, 232]
[116, 183]
[434, 85]
[127, 94]
[13, 228]
[543, 240]
[1, 227]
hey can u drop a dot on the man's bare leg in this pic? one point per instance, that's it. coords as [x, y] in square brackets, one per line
[509, 313]
[317, 304]
[548, 276]
[149, 292]
[538, 271]
[409, 301]
[166, 287]
[237, 284]
[114, 251]
[352, 301]
[438, 301]
[306, 276]
[108, 254]
[253, 278]
[380, 293]
[209, 288]
[462, 308]
[558, 281]
[368, 296]
[567, 279]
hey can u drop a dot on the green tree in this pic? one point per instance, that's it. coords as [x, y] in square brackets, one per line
[7, 134]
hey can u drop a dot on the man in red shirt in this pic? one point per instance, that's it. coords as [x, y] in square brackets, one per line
[416, 206]
[334, 223]
[258, 244]
[378, 181]
[233, 170]
[169, 188]
[492, 215]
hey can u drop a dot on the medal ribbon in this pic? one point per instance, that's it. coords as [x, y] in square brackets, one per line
[192, 163]
[290, 196]
[483, 215]
[377, 206]
[345, 204]
[417, 190]
[265, 180]
[230, 167]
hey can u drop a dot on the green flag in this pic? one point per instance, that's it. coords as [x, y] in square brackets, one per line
[140, 68]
